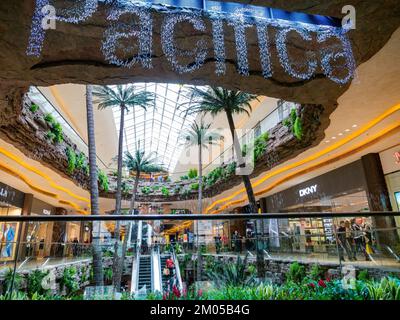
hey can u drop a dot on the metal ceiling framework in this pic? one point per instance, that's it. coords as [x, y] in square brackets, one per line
[158, 129]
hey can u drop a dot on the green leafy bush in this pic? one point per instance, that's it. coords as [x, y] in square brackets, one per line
[33, 108]
[192, 173]
[214, 175]
[34, 283]
[81, 160]
[165, 191]
[108, 274]
[194, 186]
[298, 129]
[56, 132]
[294, 123]
[386, 289]
[70, 280]
[316, 273]
[260, 145]
[18, 278]
[184, 177]
[232, 274]
[296, 273]
[146, 190]
[363, 275]
[103, 180]
[49, 118]
[71, 160]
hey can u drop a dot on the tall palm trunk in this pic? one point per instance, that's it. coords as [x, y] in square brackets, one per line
[250, 195]
[118, 196]
[241, 163]
[199, 257]
[118, 274]
[94, 190]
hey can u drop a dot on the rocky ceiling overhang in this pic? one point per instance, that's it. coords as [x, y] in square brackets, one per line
[72, 52]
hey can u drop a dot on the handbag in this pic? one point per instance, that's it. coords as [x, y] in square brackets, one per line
[166, 272]
[368, 249]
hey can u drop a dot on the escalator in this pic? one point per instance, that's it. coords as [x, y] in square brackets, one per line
[145, 274]
[147, 269]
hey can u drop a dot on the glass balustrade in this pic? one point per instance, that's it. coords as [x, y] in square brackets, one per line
[181, 256]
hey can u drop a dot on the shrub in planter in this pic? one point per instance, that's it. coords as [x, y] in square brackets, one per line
[192, 173]
[33, 108]
[165, 191]
[34, 283]
[18, 278]
[194, 186]
[103, 181]
[70, 280]
[296, 273]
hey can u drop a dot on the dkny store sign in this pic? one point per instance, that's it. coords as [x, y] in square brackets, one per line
[308, 190]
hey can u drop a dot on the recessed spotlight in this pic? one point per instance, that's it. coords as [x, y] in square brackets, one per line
[347, 130]
[333, 138]
[340, 134]
[354, 125]
[327, 141]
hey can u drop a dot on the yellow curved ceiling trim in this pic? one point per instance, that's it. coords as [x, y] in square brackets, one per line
[314, 156]
[25, 179]
[372, 139]
[27, 166]
[22, 177]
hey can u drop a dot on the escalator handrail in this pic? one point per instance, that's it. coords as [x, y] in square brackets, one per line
[156, 272]
[177, 270]
[138, 245]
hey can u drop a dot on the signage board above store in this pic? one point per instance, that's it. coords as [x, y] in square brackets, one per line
[11, 196]
[308, 190]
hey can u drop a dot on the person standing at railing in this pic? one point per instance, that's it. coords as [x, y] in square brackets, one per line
[350, 240]
[359, 240]
[342, 242]
[75, 247]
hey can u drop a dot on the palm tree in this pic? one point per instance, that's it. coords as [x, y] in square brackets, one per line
[215, 100]
[94, 190]
[138, 163]
[124, 97]
[199, 135]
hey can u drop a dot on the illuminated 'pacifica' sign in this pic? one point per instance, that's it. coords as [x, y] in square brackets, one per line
[335, 57]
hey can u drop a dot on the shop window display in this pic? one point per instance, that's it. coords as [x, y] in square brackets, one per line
[8, 233]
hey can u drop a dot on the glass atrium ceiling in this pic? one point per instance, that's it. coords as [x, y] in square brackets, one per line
[158, 129]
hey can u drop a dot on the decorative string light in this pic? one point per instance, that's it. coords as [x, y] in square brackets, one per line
[263, 43]
[199, 53]
[240, 23]
[217, 21]
[119, 30]
[287, 64]
[76, 14]
[82, 10]
[342, 52]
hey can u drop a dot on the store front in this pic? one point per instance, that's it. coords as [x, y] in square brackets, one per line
[346, 189]
[38, 235]
[391, 168]
[11, 204]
